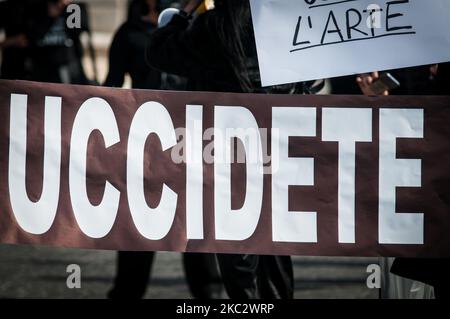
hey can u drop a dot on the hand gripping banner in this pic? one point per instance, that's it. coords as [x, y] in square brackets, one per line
[101, 168]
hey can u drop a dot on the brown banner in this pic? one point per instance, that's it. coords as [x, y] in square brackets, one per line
[392, 198]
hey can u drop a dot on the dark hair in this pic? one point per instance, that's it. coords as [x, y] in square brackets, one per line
[234, 30]
[138, 8]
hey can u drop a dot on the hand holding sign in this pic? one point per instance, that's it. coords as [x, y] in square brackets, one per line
[365, 82]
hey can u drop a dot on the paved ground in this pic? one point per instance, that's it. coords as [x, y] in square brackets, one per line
[40, 272]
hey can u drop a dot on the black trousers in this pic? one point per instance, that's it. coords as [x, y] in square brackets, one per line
[134, 271]
[442, 290]
[256, 276]
[433, 271]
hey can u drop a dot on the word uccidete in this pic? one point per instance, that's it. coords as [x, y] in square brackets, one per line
[344, 172]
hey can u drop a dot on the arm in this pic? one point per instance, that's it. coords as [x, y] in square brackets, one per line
[180, 49]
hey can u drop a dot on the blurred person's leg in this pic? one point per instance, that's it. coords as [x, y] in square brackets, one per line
[132, 274]
[239, 275]
[202, 275]
[441, 282]
[432, 271]
[442, 290]
[397, 287]
[276, 277]
[254, 276]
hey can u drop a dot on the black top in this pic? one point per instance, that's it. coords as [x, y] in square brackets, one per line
[196, 53]
[127, 55]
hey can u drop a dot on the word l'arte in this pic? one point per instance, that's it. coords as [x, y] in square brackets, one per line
[90, 167]
[356, 23]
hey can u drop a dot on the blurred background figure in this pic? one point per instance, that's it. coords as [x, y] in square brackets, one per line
[127, 56]
[14, 47]
[127, 52]
[55, 49]
[24, 23]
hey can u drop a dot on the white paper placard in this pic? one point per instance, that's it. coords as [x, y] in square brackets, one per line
[301, 40]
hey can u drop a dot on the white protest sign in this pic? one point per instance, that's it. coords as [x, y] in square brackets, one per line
[301, 40]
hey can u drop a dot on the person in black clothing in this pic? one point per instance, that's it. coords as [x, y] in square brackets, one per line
[127, 52]
[217, 52]
[127, 56]
[421, 80]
